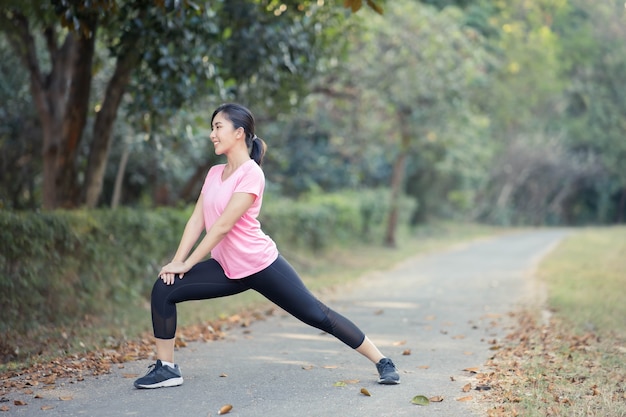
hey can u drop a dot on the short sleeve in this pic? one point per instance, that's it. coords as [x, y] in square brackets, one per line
[252, 181]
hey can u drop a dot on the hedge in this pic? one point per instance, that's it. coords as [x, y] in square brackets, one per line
[59, 266]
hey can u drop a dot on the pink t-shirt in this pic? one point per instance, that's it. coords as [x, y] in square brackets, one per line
[245, 250]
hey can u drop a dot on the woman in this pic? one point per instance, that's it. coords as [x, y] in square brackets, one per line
[242, 256]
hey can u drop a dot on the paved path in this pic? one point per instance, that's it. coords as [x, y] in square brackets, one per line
[443, 307]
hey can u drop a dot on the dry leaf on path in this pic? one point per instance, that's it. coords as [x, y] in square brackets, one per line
[225, 409]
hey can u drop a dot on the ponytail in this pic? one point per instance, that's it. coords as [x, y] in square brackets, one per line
[257, 149]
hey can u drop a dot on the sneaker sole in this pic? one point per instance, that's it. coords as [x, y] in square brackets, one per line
[172, 382]
[388, 382]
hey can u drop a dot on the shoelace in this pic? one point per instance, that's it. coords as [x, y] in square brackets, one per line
[151, 368]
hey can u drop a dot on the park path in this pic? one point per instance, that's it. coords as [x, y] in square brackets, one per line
[444, 308]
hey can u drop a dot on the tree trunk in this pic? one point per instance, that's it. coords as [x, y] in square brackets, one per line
[189, 191]
[48, 91]
[397, 180]
[621, 207]
[103, 126]
[68, 191]
[119, 178]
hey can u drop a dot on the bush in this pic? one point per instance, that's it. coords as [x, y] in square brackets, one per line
[58, 268]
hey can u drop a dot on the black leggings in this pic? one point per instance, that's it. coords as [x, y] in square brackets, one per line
[279, 283]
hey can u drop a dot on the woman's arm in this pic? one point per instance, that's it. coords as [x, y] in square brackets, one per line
[239, 203]
[193, 229]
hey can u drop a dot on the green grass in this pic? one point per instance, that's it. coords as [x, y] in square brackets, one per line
[586, 279]
[571, 364]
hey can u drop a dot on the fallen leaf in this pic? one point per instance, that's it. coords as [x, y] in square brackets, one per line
[472, 370]
[466, 388]
[307, 367]
[47, 407]
[436, 399]
[406, 352]
[331, 367]
[468, 398]
[130, 375]
[351, 381]
[19, 402]
[68, 398]
[365, 392]
[399, 343]
[420, 400]
[4, 408]
[423, 366]
[51, 380]
[223, 375]
[339, 384]
[225, 409]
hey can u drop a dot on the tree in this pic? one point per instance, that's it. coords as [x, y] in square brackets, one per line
[165, 52]
[594, 62]
[419, 73]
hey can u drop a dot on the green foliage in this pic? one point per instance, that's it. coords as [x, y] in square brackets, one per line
[56, 264]
[319, 221]
[17, 123]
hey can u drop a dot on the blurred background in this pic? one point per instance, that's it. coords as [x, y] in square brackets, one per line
[511, 112]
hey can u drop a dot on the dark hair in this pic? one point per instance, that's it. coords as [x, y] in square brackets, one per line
[240, 116]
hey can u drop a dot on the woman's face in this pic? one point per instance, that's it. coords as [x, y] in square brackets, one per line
[224, 135]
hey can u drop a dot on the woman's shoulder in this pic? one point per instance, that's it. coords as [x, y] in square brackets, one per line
[252, 167]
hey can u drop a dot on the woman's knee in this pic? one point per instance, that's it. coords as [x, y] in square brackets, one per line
[160, 290]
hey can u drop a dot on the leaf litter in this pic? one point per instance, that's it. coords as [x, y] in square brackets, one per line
[73, 368]
[545, 367]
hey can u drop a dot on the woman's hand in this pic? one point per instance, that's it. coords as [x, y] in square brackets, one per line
[170, 271]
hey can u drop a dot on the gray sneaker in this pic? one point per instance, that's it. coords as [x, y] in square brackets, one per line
[160, 375]
[388, 374]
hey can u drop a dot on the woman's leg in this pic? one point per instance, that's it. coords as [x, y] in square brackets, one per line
[204, 281]
[281, 284]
